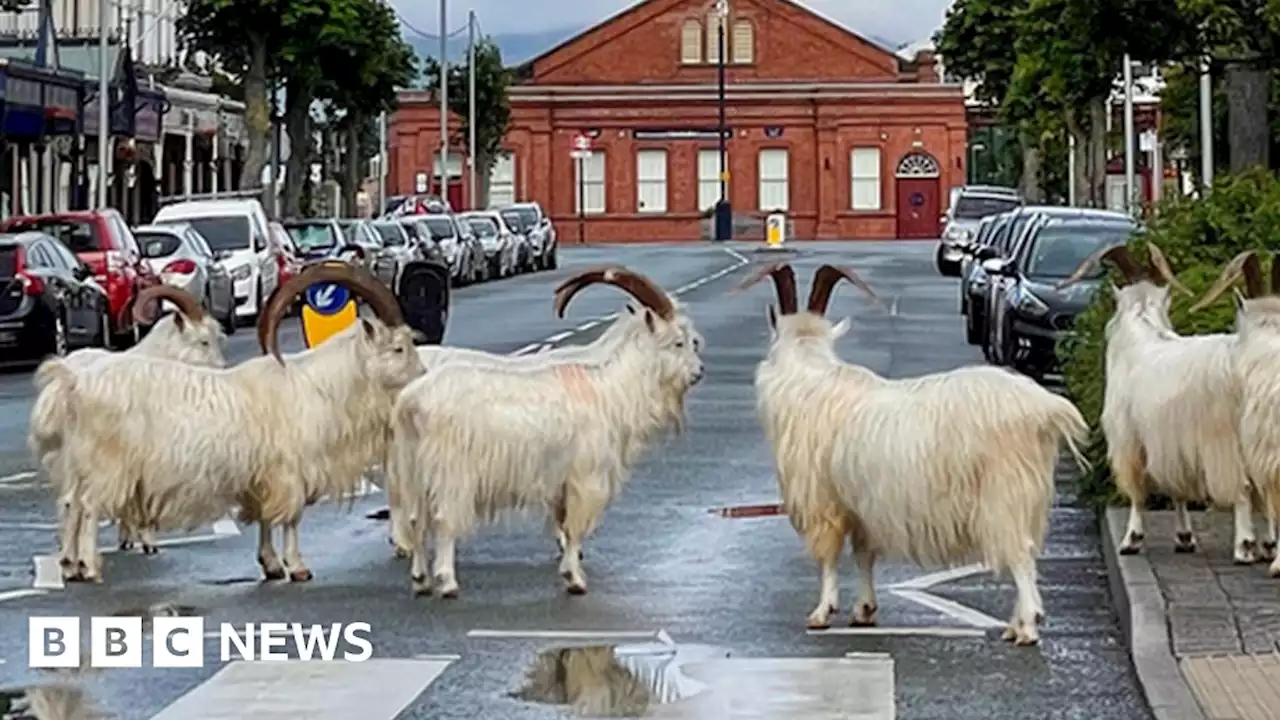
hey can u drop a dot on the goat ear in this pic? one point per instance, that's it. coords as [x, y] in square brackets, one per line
[650, 320]
[179, 321]
[840, 328]
[772, 316]
[369, 329]
[1239, 298]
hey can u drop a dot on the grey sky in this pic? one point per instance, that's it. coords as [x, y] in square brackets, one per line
[899, 20]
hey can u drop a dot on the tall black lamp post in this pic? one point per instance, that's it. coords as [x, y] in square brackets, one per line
[723, 212]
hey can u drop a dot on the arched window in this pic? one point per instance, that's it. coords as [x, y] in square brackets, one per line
[691, 42]
[744, 42]
[713, 39]
[918, 164]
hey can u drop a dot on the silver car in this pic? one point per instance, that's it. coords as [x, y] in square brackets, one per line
[181, 256]
[497, 239]
[968, 210]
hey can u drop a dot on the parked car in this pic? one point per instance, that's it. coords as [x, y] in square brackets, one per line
[961, 223]
[316, 239]
[529, 220]
[360, 233]
[236, 231]
[102, 240]
[461, 250]
[1029, 313]
[288, 260]
[992, 189]
[399, 248]
[50, 303]
[500, 246]
[182, 258]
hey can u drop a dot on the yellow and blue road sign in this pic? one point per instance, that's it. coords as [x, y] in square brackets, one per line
[328, 310]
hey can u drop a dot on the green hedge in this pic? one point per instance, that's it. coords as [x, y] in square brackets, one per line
[1199, 237]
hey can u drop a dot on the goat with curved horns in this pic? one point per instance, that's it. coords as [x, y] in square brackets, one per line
[1171, 406]
[940, 469]
[1256, 348]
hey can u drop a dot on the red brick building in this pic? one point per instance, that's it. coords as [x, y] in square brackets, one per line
[846, 137]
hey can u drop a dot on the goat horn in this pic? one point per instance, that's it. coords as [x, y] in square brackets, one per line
[1245, 265]
[824, 282]
[566, 290]
[356, 279]
[784, 283]
[638, 286]
[1118, 255]
[1160, 264]
[147, 305]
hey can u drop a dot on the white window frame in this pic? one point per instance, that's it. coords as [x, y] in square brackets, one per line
[651, 180]
[774, 188]
[691, 40]
[864, 179]
[708, 178]
[502, 180]
[743, 36]
[592, 183]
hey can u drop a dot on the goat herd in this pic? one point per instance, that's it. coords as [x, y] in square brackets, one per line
[941, 469]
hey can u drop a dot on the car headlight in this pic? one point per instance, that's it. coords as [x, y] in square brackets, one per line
[241, 273]
[1026, 303]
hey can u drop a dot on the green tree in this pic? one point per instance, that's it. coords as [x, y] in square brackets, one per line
[493, 110]
[245, 37]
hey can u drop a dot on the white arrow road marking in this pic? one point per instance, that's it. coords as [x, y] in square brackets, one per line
[570, 634]
[923, 631]
[924, 582]
[22, 593]
[960, 612]
[376, 689]
[18, 477]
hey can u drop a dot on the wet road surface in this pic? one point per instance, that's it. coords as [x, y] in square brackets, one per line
[707, 612]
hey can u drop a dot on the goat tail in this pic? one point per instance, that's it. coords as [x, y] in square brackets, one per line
[1069, 426]
[55, 382]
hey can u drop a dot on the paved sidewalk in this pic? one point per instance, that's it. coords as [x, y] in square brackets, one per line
[1204, 632]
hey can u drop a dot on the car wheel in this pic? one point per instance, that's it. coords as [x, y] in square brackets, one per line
[552, 262]
[228, 321]
[973, 330]
[58, 341]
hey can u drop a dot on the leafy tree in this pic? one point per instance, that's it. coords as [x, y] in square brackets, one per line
[493, 112]
[245, 38]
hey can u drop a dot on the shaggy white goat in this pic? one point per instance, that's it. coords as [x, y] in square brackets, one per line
[560, 439]
[188, 336]
[1171, 406]
[1256, 350]
[941, 469]
[182, 445]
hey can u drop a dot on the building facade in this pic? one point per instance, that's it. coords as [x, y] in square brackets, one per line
[851, 141]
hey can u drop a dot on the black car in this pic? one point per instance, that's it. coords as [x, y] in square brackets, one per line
[1007, 233]
[49, 301]
[1029, 312]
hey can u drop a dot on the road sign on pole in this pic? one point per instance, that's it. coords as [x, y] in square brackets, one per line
[328, 310]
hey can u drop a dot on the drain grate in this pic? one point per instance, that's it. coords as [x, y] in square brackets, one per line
[749, 511]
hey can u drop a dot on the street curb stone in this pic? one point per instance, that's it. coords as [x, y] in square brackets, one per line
[1141, 607]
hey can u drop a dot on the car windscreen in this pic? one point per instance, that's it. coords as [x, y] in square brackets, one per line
[1059, 249]
[440, 227]
[78, 235]
[390, 234]
[972, 207]
[350, 232]
[312, 237]
[157, 244]
[483, 227]
[519, 221]
[226, 232]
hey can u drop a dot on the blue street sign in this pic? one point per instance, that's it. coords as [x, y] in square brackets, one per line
[328, 298]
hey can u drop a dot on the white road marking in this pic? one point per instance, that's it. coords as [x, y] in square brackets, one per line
[558, 337]
[849, 687]
[377, 689]
[18, 476]
[893, 306]
[226, 527]
[928, 631]
[439, 657]
[527, 349]
[41, 525]
[739, 256]
[586, 326]
[949, 607]
[19, 594]
[924, 582]
[564, 634]
[48, 573]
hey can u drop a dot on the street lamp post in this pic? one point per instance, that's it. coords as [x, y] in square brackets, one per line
[723, 212]
[444, 103]
[1130, 199]
[104, 101]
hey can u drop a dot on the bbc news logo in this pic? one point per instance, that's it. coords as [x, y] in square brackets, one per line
[179, 642]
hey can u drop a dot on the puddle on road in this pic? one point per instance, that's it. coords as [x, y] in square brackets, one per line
[46, 702]
[612, 680]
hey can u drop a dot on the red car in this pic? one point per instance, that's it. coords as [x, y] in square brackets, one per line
[103, 241]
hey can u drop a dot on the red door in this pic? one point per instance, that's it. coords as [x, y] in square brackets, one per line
[919, 214]
[455, 193]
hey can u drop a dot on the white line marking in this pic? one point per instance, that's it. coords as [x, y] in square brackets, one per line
[24, 475]
[949, 607]
[929, 631]
[924, 582]
[226, 527]
[665, 639]
[48, 573]
[440, 657]
[18, 594]
[562, 634]
[558, 337]
[376, 689]
[527, 349]
[868, 656]
[175, 542]
[739, 256]
[586, 326]
[893, 306]
[42, 525]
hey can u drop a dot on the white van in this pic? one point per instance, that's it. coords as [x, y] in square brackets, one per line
[237, 233]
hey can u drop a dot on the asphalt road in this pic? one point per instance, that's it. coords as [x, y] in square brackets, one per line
[714, 608]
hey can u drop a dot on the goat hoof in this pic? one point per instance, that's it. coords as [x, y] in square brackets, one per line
[1275, 570]
[302, 575]
[451, 594]
[272, 573]
[401, 553]
[126, 545]
[863, 616]
[814, 623]
[65, 562]
[150, 550]
[1269, 550]
[1184, 548]
[1246, 553]
[421, 588]
[576, 589]
[1010, 634]
[1130, 549]
[1026, 640]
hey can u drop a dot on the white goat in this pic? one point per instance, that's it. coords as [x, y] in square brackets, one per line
[941, 469]
[560, 439]
[188, 336]
[182, 445]
[1256, 351]
[1171, 407]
